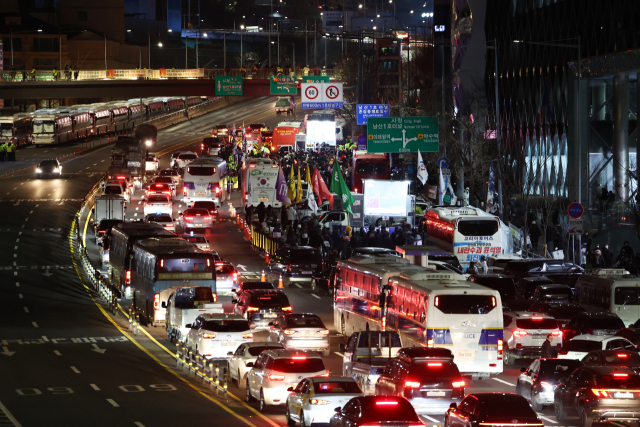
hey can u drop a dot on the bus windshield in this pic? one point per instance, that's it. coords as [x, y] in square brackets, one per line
[6, 129]
[43, 127]
[201, 170]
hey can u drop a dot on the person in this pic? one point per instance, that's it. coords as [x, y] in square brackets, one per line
[386, 241]
[534, 234]
[583, 256]
[292, 214]
[409, 240]
[11, 152]
[607, 254]
[472, 269]
[3, 152]
[262, 212]
[55, 74]
[33, 74]
[482, 265]
[604, 197]
[598, 260]
[547, 353]
[247, 213]
[627, 250]
[346, 243]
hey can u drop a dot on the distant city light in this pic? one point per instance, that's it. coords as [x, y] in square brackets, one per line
[160, 44]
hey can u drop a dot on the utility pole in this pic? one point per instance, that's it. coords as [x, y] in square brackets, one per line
[495, 57]
[315, 42]
[278, 30]
[149, 39]
[241, 54]
[224, 49]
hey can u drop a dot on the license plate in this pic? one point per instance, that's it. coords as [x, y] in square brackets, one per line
[307, 272]
[623, 395]
[435, 393]
[269, 315]
[221, 277]
[538, 336]
[466, 354]
[197, 225]
[201, 193]
[226, 343]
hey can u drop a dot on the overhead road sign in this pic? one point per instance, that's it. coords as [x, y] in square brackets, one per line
[283, 85]
[315, 79]
[402, 134]
[322, 95]
[229, 85]
[364, 111]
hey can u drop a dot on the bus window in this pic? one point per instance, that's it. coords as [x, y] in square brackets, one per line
[465, 304]
[371, 168]
[627, 296]
[478, 228]
[201, 170]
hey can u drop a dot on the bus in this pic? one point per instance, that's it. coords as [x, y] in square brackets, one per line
[285, 134]
[51, 128]
[16, 129]
[123, 237]
[612, 289]
[432, 310]
[368, 166]
[259, 182]
[205, 179]
[467, 232]
[160, 266]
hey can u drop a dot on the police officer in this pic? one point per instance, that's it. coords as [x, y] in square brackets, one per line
[33, 74]
[3, 152]
[11, 152]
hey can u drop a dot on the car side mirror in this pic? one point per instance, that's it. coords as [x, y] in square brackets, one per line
[523, 369]
[290, 389]
[164, 304]
[337, 410]
[249, 364]
[343, 348]
[188, 325]
[230, 353]
[453, 406]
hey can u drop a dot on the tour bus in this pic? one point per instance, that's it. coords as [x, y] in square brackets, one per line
[259, 182]
[159, 266]
[612, 289]
[82, 122]
[50, 127]
[467, 232]
[368, 166]
[437, 311]
[16, 129]
[205, 179]
[119, 116]
[285, 134]
[123, 237]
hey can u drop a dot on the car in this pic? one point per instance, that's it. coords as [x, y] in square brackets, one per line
[630, 359]
[498, 282]
[578, 347]
[226, 278]
[221, 131]
[374, 411]
[250, 285]
[197, 240]
[553, 292]
[538, 380]
[51, 167]
[599, 394]
[211, 146]
[184, 158]
[492, 409]
[562, 311]
[449, 259]
[167, 180]
[195, 218]
[525, 332]
[311, 401]
[117, 188]
[214, 335]
[163, 219]
[559, 271]
[526, 286]
[210, 206]
[247, 353]
[276, 371]
[296, 262]
[601, 323]
[151, 162]
[304, 331]
[174, 159]
[104, 226]
[426, 377]
[497, 262]
[158, 203]
[158, 188]
[171, 173]
[261, 307]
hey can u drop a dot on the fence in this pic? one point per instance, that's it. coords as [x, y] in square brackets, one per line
[263, 241]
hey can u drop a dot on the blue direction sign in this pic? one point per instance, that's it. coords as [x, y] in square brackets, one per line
[364, 111]
[575, 210]
[443, 163]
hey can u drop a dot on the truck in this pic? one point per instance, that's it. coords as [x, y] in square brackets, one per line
[147, 134]
[184, 305]
[285, 104]
[366, 353]
[108, 207]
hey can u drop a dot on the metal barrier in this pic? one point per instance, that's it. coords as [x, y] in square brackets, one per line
[216, 373]
[263, 241]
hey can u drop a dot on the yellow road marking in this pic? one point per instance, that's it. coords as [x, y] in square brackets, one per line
[84, 234]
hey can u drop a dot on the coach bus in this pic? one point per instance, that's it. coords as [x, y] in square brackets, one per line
[159, 266]
[205, 179]
[612, 289]
[16, 129]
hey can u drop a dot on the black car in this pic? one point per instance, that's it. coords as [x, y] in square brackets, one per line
[261, 307]
[492, 409]
[562, 311]
[209, 206]
[104, 226]
[537, 381]
[526, 286]
[376, 411]
[599, 394]
[49, 168]
[252, 285]
[630, 359]
[426, 377]
[296, 262]
[559, 271]
[553, 292]
[592, 324]
[211, 143]
[498, 282]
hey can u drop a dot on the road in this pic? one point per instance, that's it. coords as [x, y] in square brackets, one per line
[65, 355]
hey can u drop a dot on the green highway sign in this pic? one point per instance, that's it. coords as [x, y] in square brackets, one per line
[402, 134]
[283, 85]
[315, 79]
[229, 85]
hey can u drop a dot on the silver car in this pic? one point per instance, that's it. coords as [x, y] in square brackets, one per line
[303, 331]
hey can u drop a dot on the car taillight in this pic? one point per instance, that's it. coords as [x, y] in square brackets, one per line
[252, 309]
[217, 190]
[500, 347]
[412, 384]
[588, 331]
[208, 336]
[156, 301]
[188, 218]
[128, 277]
[247, 336]
[287, 308]
[520, 334]
[563, 352]
[290, 332]
[208, 263]
[620, 376]
[208, 218]
[458, 384]
[274, 377]
[622, 355]
[318, 402]
[545, 384]
[235, 277]
[430, 343]
[386, 402]
[600, 393]
[434, 365]
[324, 332]
[557, 333]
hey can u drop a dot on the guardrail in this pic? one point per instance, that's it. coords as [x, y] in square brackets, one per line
[216, 373]
[263, 241]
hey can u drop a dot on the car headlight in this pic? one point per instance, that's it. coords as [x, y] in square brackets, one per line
[56, 170]
[38, 170]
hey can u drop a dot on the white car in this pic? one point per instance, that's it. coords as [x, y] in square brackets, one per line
[313, 399]
[163, 219]
[197, 240]
[525, 332]
[215, 335]
[276, 371]
[247, 353]
[158, 204]
[580, 345]
[151, 163]
[184, 158]
[117, 188]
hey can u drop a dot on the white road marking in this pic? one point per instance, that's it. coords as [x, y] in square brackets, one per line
[57, 353]
[339, 354]
[503, 382]
[17, 240]
[18, 284]
[113, 402]
[20, 232]
[26, 219]
[431, 419]
[139, 424]
[37, 205]
[300, 286]
[20, 296]
[45, 339]
[74, 369]
[15, 255]
[35, 325]
[15, 273]
[15, 248]
[315, 296]
[95, 387]
[30, 212]
[547, 419]
[26, 309]
[7, 414]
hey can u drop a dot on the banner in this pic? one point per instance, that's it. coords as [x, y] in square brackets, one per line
[92, 74]
[172, 73]
[128, 74]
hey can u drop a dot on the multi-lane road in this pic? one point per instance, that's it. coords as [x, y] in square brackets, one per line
[66, 361]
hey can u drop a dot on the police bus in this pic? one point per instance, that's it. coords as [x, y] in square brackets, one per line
[259, 182]
[159, 266]
[612, 289]
[205, 179]
[16, 129]
[467, 232]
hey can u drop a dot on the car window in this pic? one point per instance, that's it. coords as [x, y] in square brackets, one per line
[605, 323]
[614, 345]
[226, 325]
[240, 351]
[255, 351]
[305, 387]
[506, 319]
[298, 388]
[287, 365]
[352, 409]
[585, 377]
[591, 358]
[469, 404]
[582, 346]
[304, 322]
[628, 345]
[336, 387]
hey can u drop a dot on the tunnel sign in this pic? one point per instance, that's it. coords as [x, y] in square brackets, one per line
[322, 95]
[229, 85]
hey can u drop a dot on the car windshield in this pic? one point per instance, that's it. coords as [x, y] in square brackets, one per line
[605, 323]
[504, 405]
[617, 380]
[465, 304]
[536, 323]
[336, 387]
[304, 322]
[582, 346]
[112, 190]
[304, 365]
[558, 368]
[306, 256]
[158, 199]
[210, 206]
[187, 157]
[400, 412]
[226, 325]
[255, 351]
[432, 372]
[201, 170]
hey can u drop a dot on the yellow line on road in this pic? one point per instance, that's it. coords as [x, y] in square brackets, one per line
[84, 234]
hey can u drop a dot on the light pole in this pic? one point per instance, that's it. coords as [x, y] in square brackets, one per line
[241, 53]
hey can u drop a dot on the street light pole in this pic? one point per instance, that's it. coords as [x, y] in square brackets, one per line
[186, 49]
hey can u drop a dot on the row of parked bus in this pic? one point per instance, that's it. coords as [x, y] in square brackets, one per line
[63, 124]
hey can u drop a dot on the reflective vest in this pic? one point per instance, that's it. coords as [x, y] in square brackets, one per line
[3, 148]
[10, 148]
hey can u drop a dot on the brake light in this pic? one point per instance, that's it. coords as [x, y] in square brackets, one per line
[563, 352]
[520, 334]
[299, 357]
[208, 336]
[128, 277]
[202, 146]
[318, 402]
[588, 331]
[620, 375]
[430, 342]
[622, 355]
[287, 308]
[188, 218]
[536, 318]
[493, 301]
[500, 345]
[273, 377]
[600, 393]
[384, 402]
[324, 332]
[247, 336]
[158, 185]
[290, 332]
[156, 301]
[120, 177]
[412, 384]
[274, 166]
[217, 190]
[434, 364]
[252, 166]
[545, 384]
[557, 333]
[208, 262]
[207, 218]
[252, 309]
[458, 384]
[235, 277]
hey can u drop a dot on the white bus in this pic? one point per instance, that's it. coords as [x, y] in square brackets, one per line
[50, 128]
[259, 182]
[16, 129]
[437, 311]
[611, 289]
[467, 232]
[205, 179]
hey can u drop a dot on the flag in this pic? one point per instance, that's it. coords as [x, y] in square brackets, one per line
[292, 186]
[422, 170]
[281, 189]
[299, 189]
[339, 187]
[320, 188]
[233, 132]
[308, 179]
[311, 201]
[442, 188]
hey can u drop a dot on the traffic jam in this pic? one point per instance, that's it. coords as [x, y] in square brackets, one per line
[358, 302]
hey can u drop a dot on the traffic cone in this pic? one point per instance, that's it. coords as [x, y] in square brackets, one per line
[262, 278]
[280, 284]
[266, 257]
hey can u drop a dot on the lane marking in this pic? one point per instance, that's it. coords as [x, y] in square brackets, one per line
[15, 248]
[139, 424]
[9, 415]
[74, 369]
[300, 286]
[57, 353]
[17, 283]
[45, 339]
[548, 419]
[316, 296]
[431, 419]
[26, 310]
[20, 296]
[95, 387]
[339, 354]
[35, 325]
[113, 402]
[503, 382]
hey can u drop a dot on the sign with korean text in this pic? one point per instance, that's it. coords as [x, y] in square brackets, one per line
[92, 74]
[321, 95]
[402, 134]
[190, 73]
[576, 226]
[315, 79]
[129, 74]
[283, 85]
[575, 210]
[229, 85]
[364, 111]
